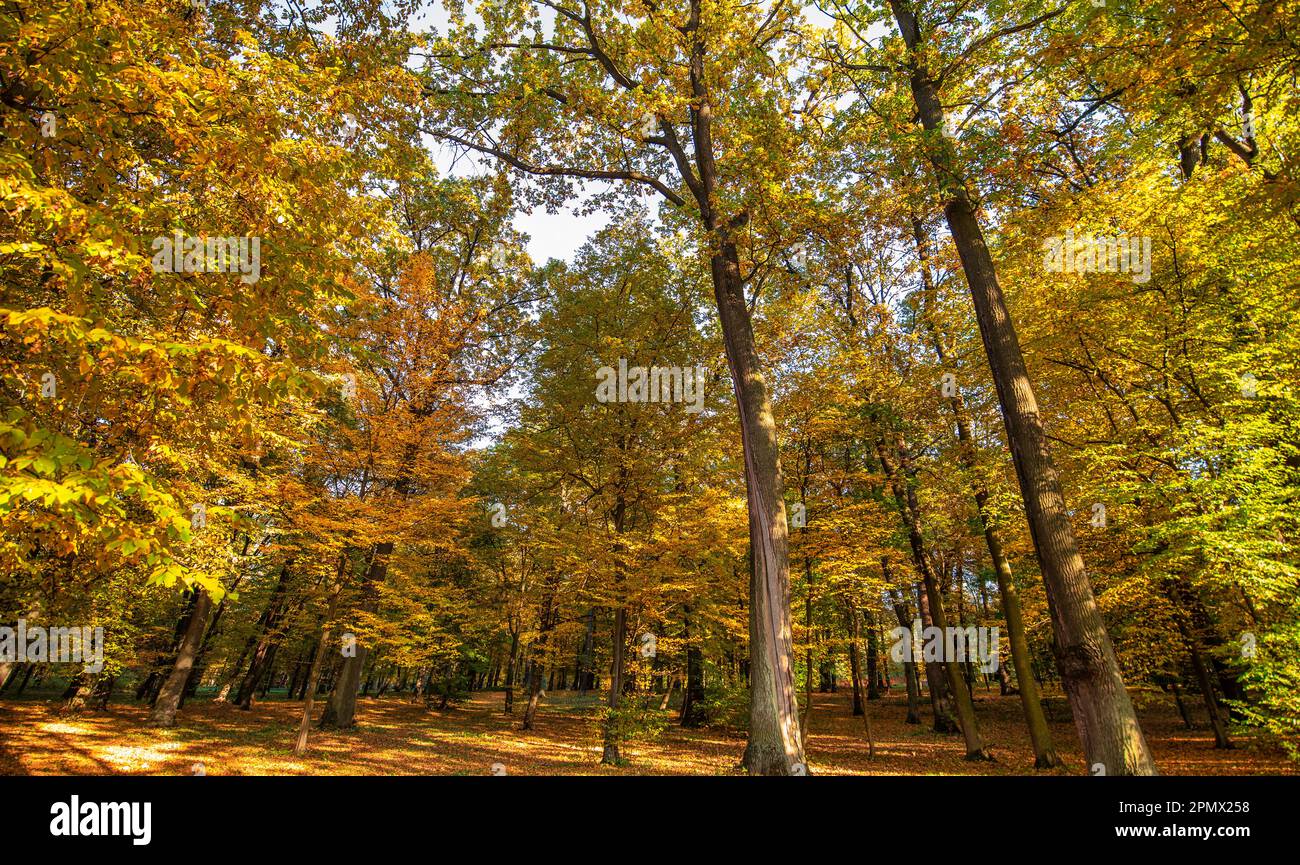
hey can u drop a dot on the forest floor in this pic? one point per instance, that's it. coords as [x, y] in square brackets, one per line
[396, 737]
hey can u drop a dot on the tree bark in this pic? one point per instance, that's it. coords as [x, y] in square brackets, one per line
[693, 695]
[1045, 756]
[268, 638]
[340, 711]
[900, 478]
[909, 667]
[855, 671]
[169, 696]
[1102, 708]
[539, 660]
[873, 656]
[318, 657]
[610, 754]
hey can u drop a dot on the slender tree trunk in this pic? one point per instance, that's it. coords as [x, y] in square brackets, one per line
[855, 673]
[1182, 707]
[936, 681]
[909, 667]
[268, 638]
[27, 675]
[1199, 668]
[693, 695]
[900, 478]
[586, 659]
[873, 656]
[510, 671]
[539, 660]
[610, 755]
[318, 657]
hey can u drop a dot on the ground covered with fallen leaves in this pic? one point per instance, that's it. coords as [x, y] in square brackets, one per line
[396, 737]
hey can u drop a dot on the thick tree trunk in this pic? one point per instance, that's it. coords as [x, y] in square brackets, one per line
[1102, 709]
[340, 711]
[162, 665]
[169, 696]
[774, 746]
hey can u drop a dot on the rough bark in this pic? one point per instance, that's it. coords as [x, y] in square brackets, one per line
[1045, 756]
[1102, 709]
[340, 711]
[169, 696]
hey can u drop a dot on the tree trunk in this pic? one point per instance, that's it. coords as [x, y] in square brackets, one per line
[1045, 756]
[318, 657]
[873, 656]
[268, 638]
[340, 711]
[539, 660]
[936, 681]
[169, 696]
[509, 707]
[148, 688]
[693, 696]
[855, 672]
[909, 667]
[610, 755]
[1102, 709]
[774, 746]
[1199, 668]
[900, 478]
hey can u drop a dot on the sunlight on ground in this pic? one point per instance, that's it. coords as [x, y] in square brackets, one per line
[397, 737]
